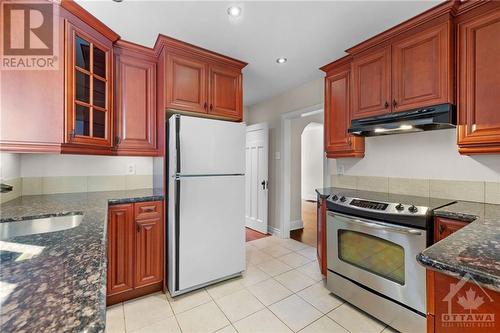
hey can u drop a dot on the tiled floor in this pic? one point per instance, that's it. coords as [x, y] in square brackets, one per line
[282, 290]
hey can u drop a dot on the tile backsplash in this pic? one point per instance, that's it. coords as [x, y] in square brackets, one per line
[488, 192]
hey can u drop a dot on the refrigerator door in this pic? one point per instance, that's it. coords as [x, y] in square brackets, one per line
[206, 146]
[206, 231]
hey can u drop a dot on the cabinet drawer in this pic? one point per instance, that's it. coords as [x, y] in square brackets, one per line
[147, 210]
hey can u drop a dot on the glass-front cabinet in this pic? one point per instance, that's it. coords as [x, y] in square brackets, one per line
[89, 88]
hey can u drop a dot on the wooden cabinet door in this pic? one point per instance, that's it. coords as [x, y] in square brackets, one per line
[371, 84]
[226, 93]
[338, 143]
[186, 83]
[121, 233]
[136, 105]
[444, 227]
[479, 84]
[421, 69]
[149, 252]
[89, 88]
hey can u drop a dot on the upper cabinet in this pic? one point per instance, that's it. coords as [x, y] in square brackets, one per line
[200, 81]
[89, 89]
[135, 100]
[407, 72]
[479, 82]
[338, 142]
[371, 83]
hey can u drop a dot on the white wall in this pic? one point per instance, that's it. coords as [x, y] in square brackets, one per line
[270, 111]
[312, 160]
[427, 155]
[50, 165]
[10, 166]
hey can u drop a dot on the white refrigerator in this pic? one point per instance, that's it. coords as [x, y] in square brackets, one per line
[206, 202]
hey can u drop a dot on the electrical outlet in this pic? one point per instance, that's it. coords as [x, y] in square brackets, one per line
[277, 155]
[340, 169]
[131, 169]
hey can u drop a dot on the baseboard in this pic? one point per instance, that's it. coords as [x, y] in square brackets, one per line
[274, 231]
[310, 197]
[297, 224]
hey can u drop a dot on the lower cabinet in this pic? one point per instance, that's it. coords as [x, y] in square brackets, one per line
[135, 250]
[321, 236]
[444, 227]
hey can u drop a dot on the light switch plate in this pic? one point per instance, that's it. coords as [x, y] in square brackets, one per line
[340, 169]
[277, 155]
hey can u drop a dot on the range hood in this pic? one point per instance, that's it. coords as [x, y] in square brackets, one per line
[435, 117]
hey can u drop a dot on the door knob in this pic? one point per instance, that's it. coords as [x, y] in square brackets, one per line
[263, 183]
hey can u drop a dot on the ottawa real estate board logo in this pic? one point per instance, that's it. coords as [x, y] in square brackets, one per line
[30, 35]
[468, 305]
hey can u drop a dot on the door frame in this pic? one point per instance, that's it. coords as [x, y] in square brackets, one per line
[257, 127]
[285, 144]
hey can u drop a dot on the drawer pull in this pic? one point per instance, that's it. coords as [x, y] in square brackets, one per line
[148, 210]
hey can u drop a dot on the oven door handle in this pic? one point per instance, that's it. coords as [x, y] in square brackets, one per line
[379, 226]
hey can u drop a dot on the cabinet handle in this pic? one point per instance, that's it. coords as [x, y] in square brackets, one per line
[211, 107]
[117, 140]
[138, 227]
[386, 105]
[441, 228]
[205, 105]
[394, 103]
[148, 210]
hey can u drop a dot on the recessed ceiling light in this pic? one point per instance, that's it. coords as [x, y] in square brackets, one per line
[281, 60]
[234, 11]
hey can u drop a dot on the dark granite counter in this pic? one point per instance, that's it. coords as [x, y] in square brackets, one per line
[57, 281]
[474, 249]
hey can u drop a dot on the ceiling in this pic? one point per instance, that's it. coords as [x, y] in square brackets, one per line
[309, 34]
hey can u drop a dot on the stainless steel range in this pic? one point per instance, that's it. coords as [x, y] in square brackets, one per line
[373, 240]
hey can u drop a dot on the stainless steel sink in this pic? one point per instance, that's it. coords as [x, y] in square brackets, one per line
[39, 226]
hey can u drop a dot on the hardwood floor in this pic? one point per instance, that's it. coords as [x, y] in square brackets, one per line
[308, 235]
[251, 235]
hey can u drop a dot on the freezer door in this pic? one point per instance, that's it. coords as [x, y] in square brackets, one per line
[208, 238]
[207, 146]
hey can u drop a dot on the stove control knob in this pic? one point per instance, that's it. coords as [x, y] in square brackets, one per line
[343, 199]
[335, 198]
[400, 207]
[413, 209]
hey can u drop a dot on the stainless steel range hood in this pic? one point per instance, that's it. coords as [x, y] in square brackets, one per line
[424, 119]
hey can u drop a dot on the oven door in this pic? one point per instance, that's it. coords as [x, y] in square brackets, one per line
[380, 256]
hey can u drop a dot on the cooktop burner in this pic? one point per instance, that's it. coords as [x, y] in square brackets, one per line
[400, 209]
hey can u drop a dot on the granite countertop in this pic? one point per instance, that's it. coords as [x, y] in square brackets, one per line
[474, 249]
[57, 281]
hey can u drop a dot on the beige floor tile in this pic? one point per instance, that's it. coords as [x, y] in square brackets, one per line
[263, 321]
[320, 297]
[225, 288]
[312, 270]
[257, 257]
[253, 275]
[227, 329]
[294, 260]
[276, 251]
[355, 320]
[324, 325]
[145, 311]
[264, 242]
[168, 325]
[295, 312]
[202, 319]
[269, 291]
[389, 330]
[115, 319]
[239, 305]
[274, 267]
[292, 244]
[308, 252]
[294, 280]
[188, 301]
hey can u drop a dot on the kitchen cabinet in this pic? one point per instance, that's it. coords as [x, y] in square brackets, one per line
[321, 233]
[479, 82]
[135, 100]
[413, 69]
[444, 305]
[199, 81]
[371, 84]
[135, 250]
[337, 141]
[89, 89]
[444, 227]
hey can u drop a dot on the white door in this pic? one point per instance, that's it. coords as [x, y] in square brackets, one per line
[256, 175]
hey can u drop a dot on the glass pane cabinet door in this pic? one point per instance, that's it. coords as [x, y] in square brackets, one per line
[373, 254]
[89, 115]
